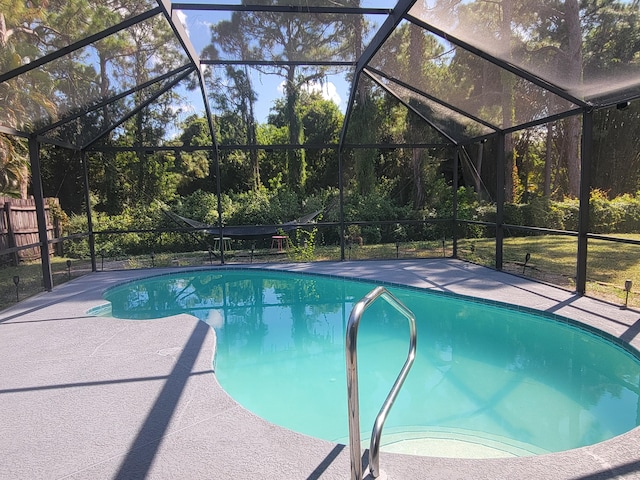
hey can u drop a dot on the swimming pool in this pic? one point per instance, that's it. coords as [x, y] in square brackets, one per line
[487, 381]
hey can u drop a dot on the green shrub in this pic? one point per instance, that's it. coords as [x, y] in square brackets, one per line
[539, 212]
[629, 207]
[371, 234]
[200, 206]
[469, 208]
[513, 214]
[604, 217]
[570, 212]
[303, 249]
[617, 215]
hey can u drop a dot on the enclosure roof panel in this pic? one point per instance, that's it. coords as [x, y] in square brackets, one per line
[388, 4]
[491, 66]
[454, 126]
[82, 75]
[158, 96]
[53, 27]
[302, 32]
[466, 82]
[401, 119]
[591, 51]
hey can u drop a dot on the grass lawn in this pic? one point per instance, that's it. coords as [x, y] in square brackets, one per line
[30, 278]
[552, 260]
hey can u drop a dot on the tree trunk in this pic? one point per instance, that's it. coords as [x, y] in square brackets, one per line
[418, 187]
[476, 177]
[24, 182]
[142, 156]
[3, 31]
[573, 70]
[416, 51]
[511, 174]
[548, 160]
[296, 164]
[256, 183]
[364, 159]
[247, 99]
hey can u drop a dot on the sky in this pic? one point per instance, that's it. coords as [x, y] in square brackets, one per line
[268, 87]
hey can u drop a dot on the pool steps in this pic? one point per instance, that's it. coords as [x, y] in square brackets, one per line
[455, 443]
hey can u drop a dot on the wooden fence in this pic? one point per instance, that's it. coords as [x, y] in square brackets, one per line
[19, 227]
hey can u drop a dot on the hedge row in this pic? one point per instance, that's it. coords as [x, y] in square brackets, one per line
[618, 215]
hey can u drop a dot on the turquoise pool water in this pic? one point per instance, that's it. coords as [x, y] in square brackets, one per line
[487, 380]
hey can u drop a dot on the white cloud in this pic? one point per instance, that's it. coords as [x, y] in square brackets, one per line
[215, 319]
[183, 109]
[183, 20]
[327, 90]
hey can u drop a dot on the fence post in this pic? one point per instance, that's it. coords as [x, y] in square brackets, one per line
[59, 247]
[11, 238]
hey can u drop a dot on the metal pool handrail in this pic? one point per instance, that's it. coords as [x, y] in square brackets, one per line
[352, 382]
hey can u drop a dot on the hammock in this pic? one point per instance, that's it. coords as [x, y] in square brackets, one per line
[249, 232]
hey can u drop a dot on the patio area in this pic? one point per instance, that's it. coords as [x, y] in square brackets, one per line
[87, 397]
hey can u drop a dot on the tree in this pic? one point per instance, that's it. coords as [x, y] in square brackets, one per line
[237, 97]
[363, 120]
[13, 167]
[612, 45]
[579, 46]
[323, 120]
[289, 38]
[616, 150]
[417, 43]
[20, 39]
[130, 58]
[150, 56]
[194, 165]
[571, 58]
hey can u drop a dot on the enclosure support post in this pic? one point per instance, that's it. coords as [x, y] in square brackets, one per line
[36, 181]
[87, 201]
[216, 154]
[341, 193]
[585, 190]
[456, 160]
[500, 177]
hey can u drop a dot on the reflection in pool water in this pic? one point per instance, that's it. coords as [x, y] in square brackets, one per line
[485, 375]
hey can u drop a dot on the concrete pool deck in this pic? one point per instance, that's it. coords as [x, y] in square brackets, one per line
[85, 397]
